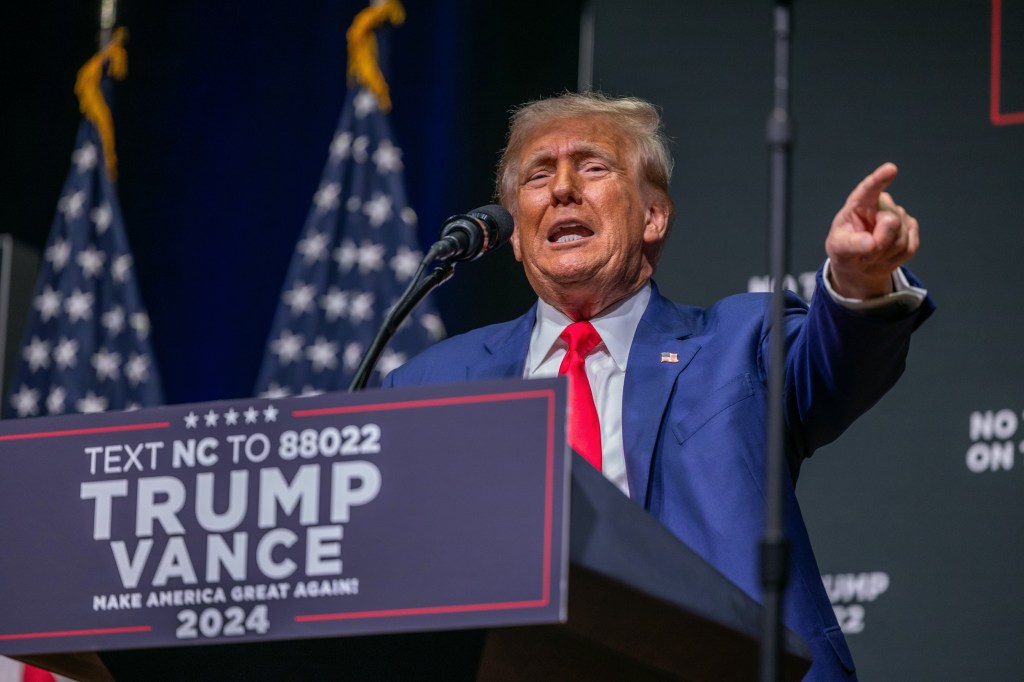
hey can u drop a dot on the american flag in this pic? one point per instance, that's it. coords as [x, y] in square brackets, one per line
[86, 346]
[356, 255]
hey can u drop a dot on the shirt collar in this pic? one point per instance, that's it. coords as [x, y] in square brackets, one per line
[616, 325]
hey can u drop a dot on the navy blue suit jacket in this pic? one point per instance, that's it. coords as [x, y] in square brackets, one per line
[694, 431]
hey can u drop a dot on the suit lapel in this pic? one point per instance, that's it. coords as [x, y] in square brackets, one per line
[507, 347]
[649, 383]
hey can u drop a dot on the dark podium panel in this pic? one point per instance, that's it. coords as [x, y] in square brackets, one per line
[642, 606]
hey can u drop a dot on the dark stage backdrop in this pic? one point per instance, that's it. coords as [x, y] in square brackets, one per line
[223, 126]
[915, 513]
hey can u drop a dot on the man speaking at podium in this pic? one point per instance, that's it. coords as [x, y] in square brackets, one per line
[668, 400]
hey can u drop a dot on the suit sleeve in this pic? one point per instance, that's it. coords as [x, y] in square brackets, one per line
[839, 363]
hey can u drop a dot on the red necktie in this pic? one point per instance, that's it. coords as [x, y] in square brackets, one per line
[584, 426]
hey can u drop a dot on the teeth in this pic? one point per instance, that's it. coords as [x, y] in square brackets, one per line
[568, 238]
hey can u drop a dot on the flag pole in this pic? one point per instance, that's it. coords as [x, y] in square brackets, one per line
[108, 17]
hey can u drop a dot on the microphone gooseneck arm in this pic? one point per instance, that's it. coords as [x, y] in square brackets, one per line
[413, 295]
[463, 237]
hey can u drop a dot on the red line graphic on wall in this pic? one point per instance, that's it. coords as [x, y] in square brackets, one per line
[998, 117]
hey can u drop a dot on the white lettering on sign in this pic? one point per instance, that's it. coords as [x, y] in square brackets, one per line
[161, 504]
[849, 592]
[802, 284]
[992, 434]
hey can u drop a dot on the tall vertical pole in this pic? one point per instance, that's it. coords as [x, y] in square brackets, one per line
[774, 547]
[585, 68]
[108, 18]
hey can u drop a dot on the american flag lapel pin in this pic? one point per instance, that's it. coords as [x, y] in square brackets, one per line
[670, 357]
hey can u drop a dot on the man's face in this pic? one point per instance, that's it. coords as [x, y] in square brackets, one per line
[584, 215]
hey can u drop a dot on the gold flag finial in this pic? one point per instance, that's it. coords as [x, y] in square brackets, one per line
[114, 60]
[363, 66]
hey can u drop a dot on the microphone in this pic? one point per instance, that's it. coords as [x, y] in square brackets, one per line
[468, 236]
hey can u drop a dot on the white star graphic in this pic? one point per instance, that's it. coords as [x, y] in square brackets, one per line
[313, 247]
[434, 326]
[341, 146]
[334, 303]
[58, 253]
[359, 147]
[91, 403]
[352, 356]
[299, 298]
[66, 353]
[120, 268]
[231, 417]
[71, 206]
[371, 257]
[390, 360]
[84, 158]
[191, 420]
[360, 308]
[137, 369]
[47, 303]
[140, 323]
[378, 209]
[323, 354]
[91, 261]
[55, 401]
[102, 216]
[405, 263]
[250, 415]
[37, 354]
[346, 255]
[79, 305]
[387, 157]
[287, 347]
[113, 320]
[270, 414]
[26, 401]
[409, 216]
[275, 390]
[364, 103]
[326, 198]
[211, 418]
[107, 364]
[353, 204]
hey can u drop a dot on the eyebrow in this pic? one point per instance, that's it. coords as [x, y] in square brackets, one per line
[577, 150]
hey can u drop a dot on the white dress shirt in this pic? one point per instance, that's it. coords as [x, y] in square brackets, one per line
[606, 368]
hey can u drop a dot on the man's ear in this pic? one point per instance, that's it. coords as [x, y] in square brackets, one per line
[659, 217]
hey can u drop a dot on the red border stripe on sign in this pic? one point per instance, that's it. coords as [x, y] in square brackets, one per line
[83, 432]
[79, 633]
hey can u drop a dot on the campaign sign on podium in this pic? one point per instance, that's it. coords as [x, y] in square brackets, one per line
[247, 520]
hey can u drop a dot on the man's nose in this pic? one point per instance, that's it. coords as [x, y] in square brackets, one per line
[565, 186]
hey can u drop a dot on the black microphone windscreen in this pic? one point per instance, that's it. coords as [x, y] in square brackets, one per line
[499, 218]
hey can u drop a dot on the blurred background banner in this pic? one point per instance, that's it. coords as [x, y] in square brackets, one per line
[222, 128]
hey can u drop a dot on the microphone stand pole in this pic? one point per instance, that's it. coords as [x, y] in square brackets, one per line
[774, 547]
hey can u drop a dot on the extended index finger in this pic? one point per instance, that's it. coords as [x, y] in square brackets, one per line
[867, 193]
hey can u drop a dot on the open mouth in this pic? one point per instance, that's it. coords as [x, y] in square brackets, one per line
[569, 232]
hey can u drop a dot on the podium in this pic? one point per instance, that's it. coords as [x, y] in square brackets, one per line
[640, 606]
